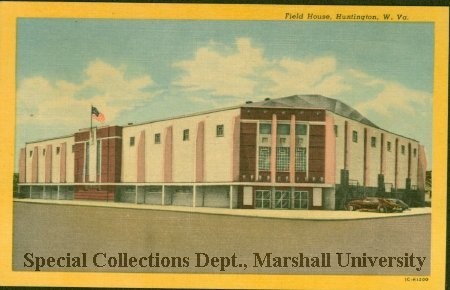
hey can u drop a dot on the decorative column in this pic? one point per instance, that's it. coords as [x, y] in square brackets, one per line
[273, 150]
[292, 151]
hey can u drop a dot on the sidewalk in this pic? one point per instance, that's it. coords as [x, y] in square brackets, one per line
[264, 213]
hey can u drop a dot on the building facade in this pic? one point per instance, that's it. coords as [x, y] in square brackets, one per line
[298, 152]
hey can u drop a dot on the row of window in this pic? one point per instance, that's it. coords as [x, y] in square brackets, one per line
[281, 199]
[283, 129]
[373, 141]
[282, 158]
[157, 136]
[58, 149]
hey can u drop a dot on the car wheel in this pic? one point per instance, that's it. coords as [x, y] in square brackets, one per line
[350, 208]
[381, 209]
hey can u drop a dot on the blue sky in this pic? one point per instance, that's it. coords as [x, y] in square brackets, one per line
[139, 70]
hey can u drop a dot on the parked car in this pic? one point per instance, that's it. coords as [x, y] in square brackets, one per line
[400, 203]
[373, 204]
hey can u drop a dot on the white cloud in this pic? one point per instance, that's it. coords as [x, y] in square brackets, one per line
[244, 72]
[364, 78]
[395, 98]
[318, 76]
[66, 103]
[222, 73]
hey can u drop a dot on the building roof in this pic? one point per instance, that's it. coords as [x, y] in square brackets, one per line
[316, 102]
[295, 101]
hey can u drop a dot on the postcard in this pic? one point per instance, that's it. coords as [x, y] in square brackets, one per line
[223, 145]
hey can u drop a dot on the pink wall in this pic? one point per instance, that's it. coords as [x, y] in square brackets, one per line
[141, 158]
[22, 165]
[330, 150]
[200, 152]
[421, 168]
[62, 163]
[167, 162]
[292, 151]
[34, 165]
[236, 147]
[48, 163]
[273, 155]
[366, 166]
[396, 164]
[347, 141]
[382, 155]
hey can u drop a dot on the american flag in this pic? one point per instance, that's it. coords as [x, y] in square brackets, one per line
[97, 115]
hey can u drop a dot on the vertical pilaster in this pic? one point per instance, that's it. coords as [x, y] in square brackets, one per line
[200, 152]
[409, 160]
[22, 165]
[421, 168]
[141, 158]
[382, 156]
[366, 158]
[396, 165]
[35, 165]
[167, 162]
[236, 147]
[62, 163]
[330, 150]
[273, 151]
[346, 145]
[292, 150]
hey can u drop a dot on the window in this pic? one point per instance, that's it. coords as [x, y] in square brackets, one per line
[373, 141]
[31, 153]
[283, 129]
[282, 199]
[131, 141]
[388, 145]
[264, 158]
[300, 159]
[415, 152]
[355, 136]
[185, 134]
[403, 149]
[301, 129]
[157, 138]
[283, 141]
[335, 130]
[57, 150]
[43, 151]
[301, 199]
[282, 158]
[219, 131]
[262, 199]
[265, 128]
[265, 140]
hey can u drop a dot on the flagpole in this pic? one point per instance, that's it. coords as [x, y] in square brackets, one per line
[92, 137]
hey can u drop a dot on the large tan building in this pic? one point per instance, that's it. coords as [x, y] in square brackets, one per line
[298, 152]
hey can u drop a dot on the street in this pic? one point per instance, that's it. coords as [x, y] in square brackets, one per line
[176, 242]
